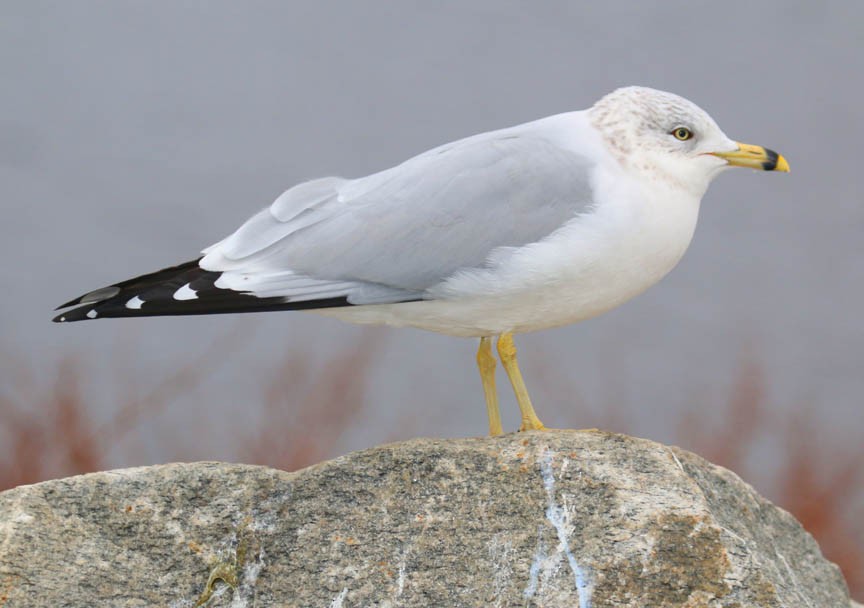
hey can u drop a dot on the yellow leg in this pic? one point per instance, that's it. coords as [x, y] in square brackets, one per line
[507, 352]
[486, 363]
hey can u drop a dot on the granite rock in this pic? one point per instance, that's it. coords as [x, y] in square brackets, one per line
[557, 518]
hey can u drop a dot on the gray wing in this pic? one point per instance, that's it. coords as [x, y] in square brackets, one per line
[394, 234]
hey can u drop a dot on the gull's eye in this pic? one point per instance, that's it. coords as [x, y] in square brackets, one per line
[682, 133]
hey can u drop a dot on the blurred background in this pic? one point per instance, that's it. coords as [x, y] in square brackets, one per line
[134, 134]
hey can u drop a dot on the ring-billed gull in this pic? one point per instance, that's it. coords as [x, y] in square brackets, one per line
[529, 227]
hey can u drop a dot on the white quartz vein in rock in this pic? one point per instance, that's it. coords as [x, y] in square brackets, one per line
[337, 601]
[558, 516]
[534, 572]
[500, 549]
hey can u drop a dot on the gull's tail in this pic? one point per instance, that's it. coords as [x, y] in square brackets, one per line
[186, 289]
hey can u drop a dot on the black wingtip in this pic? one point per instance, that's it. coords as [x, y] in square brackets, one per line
[70, 303]
[154, 294]
[106, 293]
[83, 313]
[91, 297]
[62, 318]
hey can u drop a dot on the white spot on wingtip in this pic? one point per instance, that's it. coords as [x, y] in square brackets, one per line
[185, 293]
[62, 319]
[134, 303]
[91, 314]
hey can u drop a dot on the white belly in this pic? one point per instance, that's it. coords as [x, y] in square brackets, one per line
[589, 266]
[518, 312]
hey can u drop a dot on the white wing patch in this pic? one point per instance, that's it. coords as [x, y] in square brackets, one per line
[134, 303]
[185, 293]
[299, 288]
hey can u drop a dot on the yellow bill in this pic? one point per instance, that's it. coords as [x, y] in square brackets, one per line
[755, 157]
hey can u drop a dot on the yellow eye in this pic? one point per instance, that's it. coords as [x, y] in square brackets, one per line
[682, 133]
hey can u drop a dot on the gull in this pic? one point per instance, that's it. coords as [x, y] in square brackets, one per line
[530, 227]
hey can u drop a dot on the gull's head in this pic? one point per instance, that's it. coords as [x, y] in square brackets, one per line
[665, 137]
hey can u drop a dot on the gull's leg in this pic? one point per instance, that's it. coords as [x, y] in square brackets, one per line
[507, 352]
[486, 363]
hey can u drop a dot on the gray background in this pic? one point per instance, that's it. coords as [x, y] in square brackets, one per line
[133, 134]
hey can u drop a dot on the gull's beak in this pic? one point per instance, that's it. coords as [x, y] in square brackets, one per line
[755, 157]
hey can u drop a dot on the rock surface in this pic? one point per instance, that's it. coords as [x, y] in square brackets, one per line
[559, 518]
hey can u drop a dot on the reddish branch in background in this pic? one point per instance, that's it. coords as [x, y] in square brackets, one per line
[47, 432]
[821, 484]
[327, 401]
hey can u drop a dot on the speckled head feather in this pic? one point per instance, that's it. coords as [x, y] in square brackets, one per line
[637, 123]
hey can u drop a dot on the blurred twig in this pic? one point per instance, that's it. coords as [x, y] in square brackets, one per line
[178, 383]
[307, 410]
[52, 434]
[727, 440]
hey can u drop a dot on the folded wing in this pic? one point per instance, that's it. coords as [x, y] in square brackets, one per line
[399, 232]
[385, 238]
